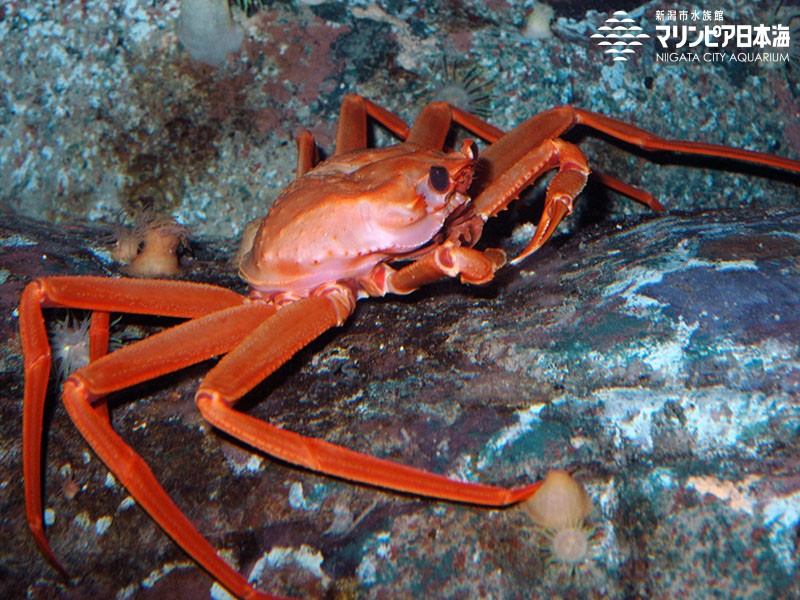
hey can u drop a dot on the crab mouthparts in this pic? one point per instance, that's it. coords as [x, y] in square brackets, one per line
[464, 178]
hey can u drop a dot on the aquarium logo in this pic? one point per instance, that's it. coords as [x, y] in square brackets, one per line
[620, 36]
[703, 36]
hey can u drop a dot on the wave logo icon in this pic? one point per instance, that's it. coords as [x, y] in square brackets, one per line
[620, 36]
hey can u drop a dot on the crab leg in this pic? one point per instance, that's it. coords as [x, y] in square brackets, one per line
[270, 346]
[101, 295]
[99, 335]
[472, 266]
[176, 348]
[307, 153]
[511, 164]
[434, 120]
[569, 116]
[628, 190]
[351, 133]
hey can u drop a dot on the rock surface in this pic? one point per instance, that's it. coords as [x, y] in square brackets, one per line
[658, 358]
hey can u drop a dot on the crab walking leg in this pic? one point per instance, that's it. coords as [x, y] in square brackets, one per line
[36, 351]
[432, 125]
[101, 295]
[553, 123]
[503, 157]
[162, 353]
[628, 190]
[645, 140]
[351, 132]
[99, 335]
[476, 125]
[307, 153]
[270, 346]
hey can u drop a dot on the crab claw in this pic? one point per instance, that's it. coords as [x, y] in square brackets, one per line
[552, 216]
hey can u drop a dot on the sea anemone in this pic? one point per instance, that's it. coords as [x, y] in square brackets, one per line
[559, 503]
[163, 239]
[152, 248]
[560, 507]
[571, 547]
[463, 85]
[250, 7]
[537, 25]
[206, 30]
[69, 339]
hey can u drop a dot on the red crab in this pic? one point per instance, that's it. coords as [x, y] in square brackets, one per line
[365, 222]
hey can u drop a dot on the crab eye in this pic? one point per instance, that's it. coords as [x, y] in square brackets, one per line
[439, 178]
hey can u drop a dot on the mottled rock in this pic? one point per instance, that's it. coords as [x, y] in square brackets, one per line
[658, 358]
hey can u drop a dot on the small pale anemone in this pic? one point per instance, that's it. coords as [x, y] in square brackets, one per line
[537, 25]
[152, 248]
[162, 240]
[125, 243]
[559, 503]
[69, 340]
[463, 86]
[570, 547]
[560, 506]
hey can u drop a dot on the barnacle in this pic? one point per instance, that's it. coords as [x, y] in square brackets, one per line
[463, 86]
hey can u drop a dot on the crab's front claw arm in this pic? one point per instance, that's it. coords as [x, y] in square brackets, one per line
[511, 179]
[448, 260]
[470, 265]
[566, 184]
